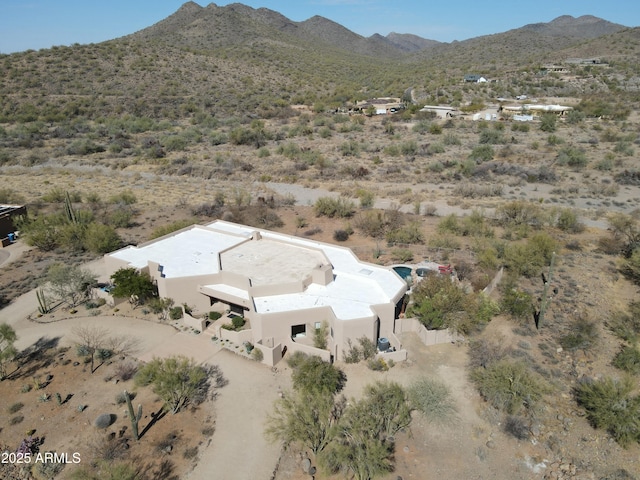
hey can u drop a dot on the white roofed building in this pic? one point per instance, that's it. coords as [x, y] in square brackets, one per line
[285, 286]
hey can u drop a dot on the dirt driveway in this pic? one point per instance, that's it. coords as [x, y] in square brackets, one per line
[238, 448]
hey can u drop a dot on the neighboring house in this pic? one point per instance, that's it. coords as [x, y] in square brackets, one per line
[7, 225]
[441, 111]
[285, 286]
[474, 78]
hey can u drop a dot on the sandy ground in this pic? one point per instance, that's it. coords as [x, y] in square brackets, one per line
[238, 448]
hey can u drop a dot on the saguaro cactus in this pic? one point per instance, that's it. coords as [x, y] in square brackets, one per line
[135, 418]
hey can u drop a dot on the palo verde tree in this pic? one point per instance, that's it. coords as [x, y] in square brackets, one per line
[7, 350]
[177, 380]
[363, 441]
[307, 415]
[130, 283]
[69, 283]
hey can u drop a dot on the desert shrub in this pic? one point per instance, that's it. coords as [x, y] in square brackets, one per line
[170, 228]
[377, 365]
[213, 316]
[353, 354]
[568, 221]
[486, 351]
[350, 148]
[626, 326]
[257, 354]
[517, 303]
[125, 371]
[366, 197]
[15, 407]
[334, 207]
[529, 258]
[630, 267]
[482, 153]
[610, 406]
[491, 137]
[610, 245]
[401, 255]
[472, 190]
[548, 122]
[509, 386]
[519, 212]
[582, 335]
[433, 399]
[517, 427]
[628, 177]
[628, 359]
[572, 156]
[341, 235]
[437, 302]
[408, 234]
[176, 313]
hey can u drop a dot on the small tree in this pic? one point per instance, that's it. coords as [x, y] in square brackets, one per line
[131, 284]
[69, 283]
[177, 380]
[7, 350]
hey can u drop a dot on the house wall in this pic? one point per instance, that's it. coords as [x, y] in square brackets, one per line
[185, 290]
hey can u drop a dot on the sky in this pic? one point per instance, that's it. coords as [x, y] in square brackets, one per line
[36, 24]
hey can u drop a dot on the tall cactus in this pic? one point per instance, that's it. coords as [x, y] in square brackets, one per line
[546, 298]
[43, 303]
[68, 209]
[135, 418]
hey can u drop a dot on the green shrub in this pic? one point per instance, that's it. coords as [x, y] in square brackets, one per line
[509, 386]
[568, 221]
[257, 354]
[433, 399]
[176, 313]
[517, 303]
[626, 326]
[213, 316]
[482, 153]
[582, 335]
[377, 364]
[572, 156]
[341, 235]
[628, 359]
[237, 322]
[409, 234]
[401, 255]
[334, 207]
[610, 406]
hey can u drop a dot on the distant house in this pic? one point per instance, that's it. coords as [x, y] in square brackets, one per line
[441, 111]
[474, 78]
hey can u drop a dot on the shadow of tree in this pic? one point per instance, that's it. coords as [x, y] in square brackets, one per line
[35, 357]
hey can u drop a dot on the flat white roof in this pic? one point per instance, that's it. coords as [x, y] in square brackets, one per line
[272, 258]
[188, 253]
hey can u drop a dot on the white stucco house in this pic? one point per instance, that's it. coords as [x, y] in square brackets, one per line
[285, 286]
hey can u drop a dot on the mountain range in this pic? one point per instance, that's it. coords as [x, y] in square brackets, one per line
[240, 60]
[214, 26]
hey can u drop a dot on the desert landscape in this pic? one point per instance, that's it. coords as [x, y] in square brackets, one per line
[168, 128]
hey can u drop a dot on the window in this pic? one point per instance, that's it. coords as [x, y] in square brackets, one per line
[298, 330]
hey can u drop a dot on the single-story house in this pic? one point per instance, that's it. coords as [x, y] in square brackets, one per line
[474, 78]
[287, 287]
